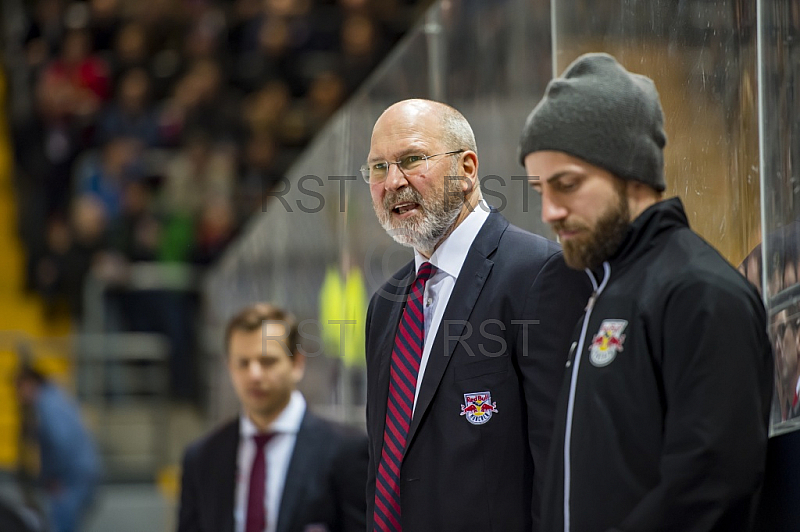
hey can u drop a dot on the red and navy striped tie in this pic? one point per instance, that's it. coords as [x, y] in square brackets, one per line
[408, 345]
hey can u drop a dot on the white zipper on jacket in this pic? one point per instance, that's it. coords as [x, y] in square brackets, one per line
[573, 381]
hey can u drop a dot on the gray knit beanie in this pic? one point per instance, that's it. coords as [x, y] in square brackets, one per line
[601, 113]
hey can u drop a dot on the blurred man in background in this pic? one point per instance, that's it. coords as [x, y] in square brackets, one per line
[69, 467]
[277, 467]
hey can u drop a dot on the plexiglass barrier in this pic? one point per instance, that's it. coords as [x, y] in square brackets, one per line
[779, 136]
[702, 57]
[319, 250]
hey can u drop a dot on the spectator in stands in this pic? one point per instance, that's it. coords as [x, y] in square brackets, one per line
[259, 172]
[50, 267]
[44, 34]
[106, 176]
[199, 172]
[104, 24]
[85, 74]
[130, 113]
[137, 235]
[275, 59]
[69, 463]
[204, 33]
[45, 146]
[243, 43]
[277, 466]
[133, 49]
[86, 242]
[244, 23]
[215, 230]
[787, 369]
[263, 110]
[361, 49]
[72, 248]
[782, 277]
[216, 107]
[325, 95]
[201, 101]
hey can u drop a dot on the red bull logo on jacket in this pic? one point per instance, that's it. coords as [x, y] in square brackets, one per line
[478, 408]
[607, 342]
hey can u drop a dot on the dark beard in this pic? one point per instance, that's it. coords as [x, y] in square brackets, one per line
[604, 240]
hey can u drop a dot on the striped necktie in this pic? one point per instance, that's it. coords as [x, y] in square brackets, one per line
[406, 356]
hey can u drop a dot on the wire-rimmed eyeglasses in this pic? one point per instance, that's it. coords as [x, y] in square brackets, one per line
[411, 164]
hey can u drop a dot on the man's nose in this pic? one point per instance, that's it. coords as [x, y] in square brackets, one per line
[552, 211]
[395, 178]
[254, 369]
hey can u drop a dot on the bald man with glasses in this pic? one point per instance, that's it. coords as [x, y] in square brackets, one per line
[466, 344]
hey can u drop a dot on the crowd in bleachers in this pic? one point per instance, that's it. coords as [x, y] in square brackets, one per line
[156, 127]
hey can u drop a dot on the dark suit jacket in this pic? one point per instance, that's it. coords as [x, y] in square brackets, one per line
[324, 483]
[479, 477]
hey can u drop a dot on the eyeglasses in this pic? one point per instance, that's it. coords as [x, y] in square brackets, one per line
[412, 164]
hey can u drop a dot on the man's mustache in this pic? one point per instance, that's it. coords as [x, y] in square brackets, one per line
[564, 226]
[406, 195]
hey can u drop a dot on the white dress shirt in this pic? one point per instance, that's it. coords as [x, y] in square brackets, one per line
[448, 259]
[277, 453]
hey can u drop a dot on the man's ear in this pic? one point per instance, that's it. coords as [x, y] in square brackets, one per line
[298, 365]
[469, 165]
[640, 197]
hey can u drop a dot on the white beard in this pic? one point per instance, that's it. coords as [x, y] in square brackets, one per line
[424, 232]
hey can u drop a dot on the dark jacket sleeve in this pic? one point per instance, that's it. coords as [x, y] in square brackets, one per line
[351, 478]
[369, 491]
[556, 300]
[188, 515]
[716, 367]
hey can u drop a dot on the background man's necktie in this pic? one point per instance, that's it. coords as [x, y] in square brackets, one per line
[408, 345]
[256, 511]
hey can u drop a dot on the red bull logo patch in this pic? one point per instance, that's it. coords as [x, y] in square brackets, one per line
[478, 408]
[607, 342]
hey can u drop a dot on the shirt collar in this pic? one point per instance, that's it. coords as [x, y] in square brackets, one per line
[288, 422]
[449, 257]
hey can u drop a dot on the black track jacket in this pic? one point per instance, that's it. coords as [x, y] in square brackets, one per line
[662, 420]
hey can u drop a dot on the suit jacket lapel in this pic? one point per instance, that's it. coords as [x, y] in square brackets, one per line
[223, 485]
[301, 467]
[468, 287]
[389, 324]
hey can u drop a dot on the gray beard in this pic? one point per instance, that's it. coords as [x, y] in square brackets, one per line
[437, 219]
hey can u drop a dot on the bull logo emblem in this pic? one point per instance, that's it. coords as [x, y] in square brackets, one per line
[478, 408]
[607, 342]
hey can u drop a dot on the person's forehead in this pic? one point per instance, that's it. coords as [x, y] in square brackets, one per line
[544, 166]
[404, 128]
[552, 159]
[268, 340]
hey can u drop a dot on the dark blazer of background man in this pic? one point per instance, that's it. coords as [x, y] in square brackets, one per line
[502, 337]
[325, 468]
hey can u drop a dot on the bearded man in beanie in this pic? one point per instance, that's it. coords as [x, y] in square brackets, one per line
[662, 420]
